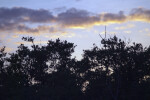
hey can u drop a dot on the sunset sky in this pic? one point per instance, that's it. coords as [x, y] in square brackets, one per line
[77, 21]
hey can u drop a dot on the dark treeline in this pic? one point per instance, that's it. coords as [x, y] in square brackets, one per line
[117, 70]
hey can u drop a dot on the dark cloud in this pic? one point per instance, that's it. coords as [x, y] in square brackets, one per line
[140, 14]
[74, 17]
[15, 19]
[120, 17]
[20, 14]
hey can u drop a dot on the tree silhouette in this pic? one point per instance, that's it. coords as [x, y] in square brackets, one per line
[123, 69]
[44, 72]
[116, 71]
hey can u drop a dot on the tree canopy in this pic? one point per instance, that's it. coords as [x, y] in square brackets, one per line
[117, 70]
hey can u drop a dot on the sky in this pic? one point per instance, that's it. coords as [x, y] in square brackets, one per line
[77, 21]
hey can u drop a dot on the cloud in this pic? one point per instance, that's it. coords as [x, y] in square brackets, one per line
[65, 35]
[15, 36]
[22, 29]
[125, 27]
[128, 32]
[35, 42]
[76, 18]
[113, 18]
[16, 19]
[140, 14]
[20, 14]
[147, 30]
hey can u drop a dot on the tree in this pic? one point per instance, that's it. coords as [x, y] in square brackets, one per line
[115, 71]
[123, 68]
[43, 72]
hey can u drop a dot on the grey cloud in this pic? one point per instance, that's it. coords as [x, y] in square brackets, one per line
[114, 17]
[76, 17]
[15, 19]
[20, 14]
[23, 29]
[140, 11]
[12, 18]
[37, 30]
[140, 14]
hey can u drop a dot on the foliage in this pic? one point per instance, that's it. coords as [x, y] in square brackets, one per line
[116, 71]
